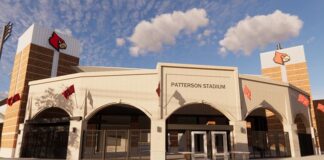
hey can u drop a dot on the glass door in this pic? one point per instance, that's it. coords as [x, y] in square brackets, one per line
[198, 145]
[219, 145]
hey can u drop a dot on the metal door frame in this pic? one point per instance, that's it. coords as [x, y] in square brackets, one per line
[193, 133]
[214, 149]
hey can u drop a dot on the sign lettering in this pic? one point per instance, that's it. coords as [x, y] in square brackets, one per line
[198, 85]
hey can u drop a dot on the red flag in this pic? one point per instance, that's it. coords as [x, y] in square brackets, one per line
[158, 90]
[16, 98]
[306, 102]
[13, 99]
[303, 100]
[9, 101]
[320, 107]
[68, 92]
[247, 92]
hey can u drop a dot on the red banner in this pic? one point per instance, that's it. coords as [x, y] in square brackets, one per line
[68, 92]
[247, 92]
[320, 107]
[303, 100]
[158, 90]
[13, 99]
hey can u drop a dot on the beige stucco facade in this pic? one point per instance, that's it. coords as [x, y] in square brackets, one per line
[181, 85]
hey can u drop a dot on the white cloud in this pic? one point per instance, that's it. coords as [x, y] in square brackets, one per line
[258, 31]
[203, 38]
[150, 36]
[3, 94]
[120, 42]
[207, 32]
[65, 31]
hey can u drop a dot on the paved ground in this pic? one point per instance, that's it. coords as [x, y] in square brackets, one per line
[321, 157]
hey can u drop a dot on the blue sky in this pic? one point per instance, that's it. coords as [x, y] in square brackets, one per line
[98, 25]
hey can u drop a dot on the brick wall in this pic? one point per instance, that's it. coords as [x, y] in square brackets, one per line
[32, 63]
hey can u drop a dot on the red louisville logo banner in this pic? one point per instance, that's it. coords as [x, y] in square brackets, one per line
[303, 100]
[281, 58]
[158, 90]
[247, 92]
[68, 92]
[13, 99]
[57, 42]
[320, 107]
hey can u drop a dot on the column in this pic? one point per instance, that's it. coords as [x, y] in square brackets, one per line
[158, 132]
[75, 139]
[293, 139]
[20, 139]
[311, 130]
[239, 137]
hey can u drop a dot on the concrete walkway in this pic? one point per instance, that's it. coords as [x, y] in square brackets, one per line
[316, 157]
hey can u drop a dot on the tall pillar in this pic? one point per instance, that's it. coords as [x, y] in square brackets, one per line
[158, 135]
[75, 139]
[35, 59]
[240, 143]
[293, 139]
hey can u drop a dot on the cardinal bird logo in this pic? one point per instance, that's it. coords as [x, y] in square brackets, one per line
[57, 42]
[281, 58]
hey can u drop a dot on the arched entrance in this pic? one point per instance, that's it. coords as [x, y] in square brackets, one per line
[117, 131]
[305, 139]
[266, 136]
[198, 131]
[46, 135]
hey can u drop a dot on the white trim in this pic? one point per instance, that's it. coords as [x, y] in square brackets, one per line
[193, 133]
[55, 63]
[39, 35]
[284, 77]
[7, 152]
[215, 153]
[296, 55]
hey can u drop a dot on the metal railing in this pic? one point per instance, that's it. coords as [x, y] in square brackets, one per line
[263, 144]
[45, 142]
[116, 144]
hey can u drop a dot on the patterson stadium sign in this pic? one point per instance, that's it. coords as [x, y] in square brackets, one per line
[198, 85]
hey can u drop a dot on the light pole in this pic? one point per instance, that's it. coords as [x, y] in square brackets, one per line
[6, 32]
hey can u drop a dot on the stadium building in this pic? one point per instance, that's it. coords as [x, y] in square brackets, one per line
[175, 111]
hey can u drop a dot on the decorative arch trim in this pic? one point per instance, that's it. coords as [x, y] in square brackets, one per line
[93, 112]
[227, 114]
[282, 118]
[43, 109]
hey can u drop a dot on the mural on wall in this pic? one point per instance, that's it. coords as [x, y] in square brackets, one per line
[51, 98]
